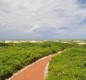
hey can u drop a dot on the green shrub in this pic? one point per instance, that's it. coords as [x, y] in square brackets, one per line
[70, 65]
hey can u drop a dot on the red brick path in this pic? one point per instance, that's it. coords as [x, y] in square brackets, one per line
[33, 72]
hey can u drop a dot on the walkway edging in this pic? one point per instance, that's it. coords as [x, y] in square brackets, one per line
[46, 67]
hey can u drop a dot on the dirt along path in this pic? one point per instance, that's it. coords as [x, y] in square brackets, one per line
[36, 71]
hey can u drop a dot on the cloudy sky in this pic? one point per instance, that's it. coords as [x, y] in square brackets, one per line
[42, 19]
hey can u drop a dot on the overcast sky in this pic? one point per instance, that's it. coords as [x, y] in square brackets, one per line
[42, 19]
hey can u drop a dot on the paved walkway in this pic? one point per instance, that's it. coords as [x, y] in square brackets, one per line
[34, 71]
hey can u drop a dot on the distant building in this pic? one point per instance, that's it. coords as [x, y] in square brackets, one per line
[15, 41]
[82, 43]
[8, 41]
[33, 41]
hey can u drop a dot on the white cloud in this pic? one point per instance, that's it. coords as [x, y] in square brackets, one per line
[32, 16]
[34, 28]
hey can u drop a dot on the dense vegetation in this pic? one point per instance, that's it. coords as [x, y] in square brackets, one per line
[15, 56]
[70, 65]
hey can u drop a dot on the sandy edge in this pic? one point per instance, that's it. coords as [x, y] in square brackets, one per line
[46, 71]
[47, 65]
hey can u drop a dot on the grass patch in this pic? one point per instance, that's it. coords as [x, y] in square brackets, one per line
[70, 65]
[14, 56]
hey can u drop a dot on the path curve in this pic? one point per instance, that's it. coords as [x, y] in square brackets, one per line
[35, 71]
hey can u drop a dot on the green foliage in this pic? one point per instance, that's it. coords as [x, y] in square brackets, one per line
[71, 65]
[14, 56]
